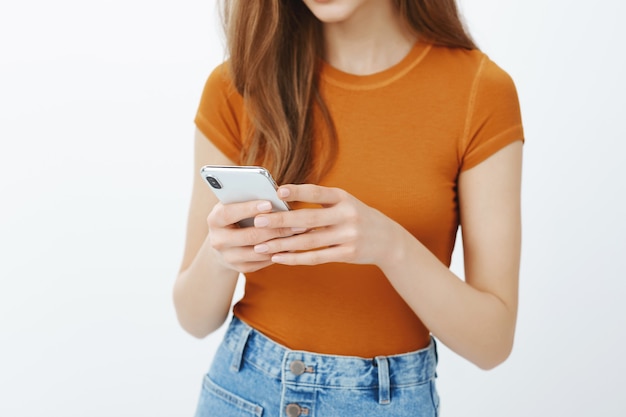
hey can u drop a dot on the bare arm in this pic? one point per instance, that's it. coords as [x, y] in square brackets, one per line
[204, 288]
[216, 249]
[475, 318]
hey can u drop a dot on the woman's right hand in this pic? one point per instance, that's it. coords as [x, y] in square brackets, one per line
[234, 245]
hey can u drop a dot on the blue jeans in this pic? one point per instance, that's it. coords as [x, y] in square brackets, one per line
[254, 376]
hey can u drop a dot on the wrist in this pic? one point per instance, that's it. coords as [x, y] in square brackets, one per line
[394, 250]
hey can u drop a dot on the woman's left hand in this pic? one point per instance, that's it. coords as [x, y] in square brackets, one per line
[343, 230]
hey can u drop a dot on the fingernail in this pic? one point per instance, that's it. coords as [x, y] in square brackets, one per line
[278, 259]
[262, 248]
[298, 229]
[261, 221]
[264, 206]
[283, 192]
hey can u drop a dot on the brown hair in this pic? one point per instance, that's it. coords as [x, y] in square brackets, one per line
[274, 48]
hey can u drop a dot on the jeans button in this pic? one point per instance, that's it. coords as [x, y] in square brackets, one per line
[297, 367]
[293, 410]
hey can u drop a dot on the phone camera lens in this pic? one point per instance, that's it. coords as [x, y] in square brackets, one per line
[213, 182]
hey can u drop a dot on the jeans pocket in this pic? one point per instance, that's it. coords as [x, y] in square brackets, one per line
[216, 401]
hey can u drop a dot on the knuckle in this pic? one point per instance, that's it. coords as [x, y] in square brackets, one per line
[213, 216]
[253, 235]
[314, 257]
[351, 253]
[215, 242]
[351, 213]
[313, 241]
[277, 220]
[275, 247]
[285, 232]
[316, 193]
[311, 220]
[220, 215]
[351, 234]
[341, 193]
[232, 257]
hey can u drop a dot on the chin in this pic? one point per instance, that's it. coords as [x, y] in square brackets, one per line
[333, 11]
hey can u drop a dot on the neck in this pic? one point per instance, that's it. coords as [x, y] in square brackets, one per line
[375, 38]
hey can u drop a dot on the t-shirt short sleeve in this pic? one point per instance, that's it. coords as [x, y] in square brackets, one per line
[219, 115]
[493, 118]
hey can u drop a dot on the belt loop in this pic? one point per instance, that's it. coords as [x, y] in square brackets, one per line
[241, 346]
[383, 380]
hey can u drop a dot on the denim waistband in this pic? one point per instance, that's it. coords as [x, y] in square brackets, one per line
[322, 370]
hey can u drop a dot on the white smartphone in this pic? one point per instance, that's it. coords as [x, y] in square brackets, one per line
[238, 184]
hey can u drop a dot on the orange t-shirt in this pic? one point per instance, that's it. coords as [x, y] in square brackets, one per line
[404, 136]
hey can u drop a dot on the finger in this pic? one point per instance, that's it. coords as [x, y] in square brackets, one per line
[313, 257]
[223, 215]
[241, 256]
[310, 193]
[313, 239]
[299, 220]
[226, 239]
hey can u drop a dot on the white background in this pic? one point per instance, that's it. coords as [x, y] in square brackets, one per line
[96, 107]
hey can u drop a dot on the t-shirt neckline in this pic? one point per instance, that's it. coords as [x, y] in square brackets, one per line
[349, 81]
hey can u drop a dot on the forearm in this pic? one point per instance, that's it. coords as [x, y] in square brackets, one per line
[203, 293]
[475, 324]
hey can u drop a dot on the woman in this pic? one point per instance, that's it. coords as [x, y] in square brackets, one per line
[389, 129]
